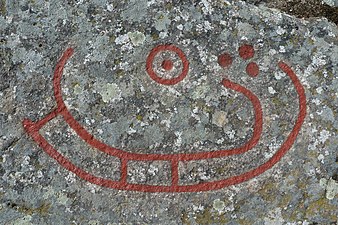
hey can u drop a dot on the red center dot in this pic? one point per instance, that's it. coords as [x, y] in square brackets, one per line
[167, 64]
[224, 60]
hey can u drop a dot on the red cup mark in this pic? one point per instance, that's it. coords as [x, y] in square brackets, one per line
[252, 69]
[246, 51]
[167, 65]
[33, 128]
[225, 60]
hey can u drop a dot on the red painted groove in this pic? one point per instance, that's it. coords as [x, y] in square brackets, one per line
[252, 69]
[89, 138]
[174, 173]
[181, 55]
[246, 51]
[33, 130]
[167, 65]
[124, 171]
[224, 60]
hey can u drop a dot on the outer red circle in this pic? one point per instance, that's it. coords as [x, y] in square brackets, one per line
[167, 47]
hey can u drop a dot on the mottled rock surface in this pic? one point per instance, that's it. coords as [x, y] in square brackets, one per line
[109, 91]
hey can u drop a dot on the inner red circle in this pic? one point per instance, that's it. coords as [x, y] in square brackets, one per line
[167, 64]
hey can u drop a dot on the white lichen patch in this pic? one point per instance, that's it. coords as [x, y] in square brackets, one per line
[122, 39]
[317, 60]
[323, 182]
[93, 188]
[324, 135]
[200, 91]
[137, 38]
[110, 7]
[62, 198]
[153, 170]
[163, 34]
[109, 92]
[272, 52]
[204, 27]
[331, 189]
[207, 8]
[330, 2]
[245, 30]
[70, 178]
[178, 141]
[282, 49]
[77, 89]
[197, 208]
[272, 90]
[319, 90]
[280, 31]
[162, 23]
[136, 11]
[231, 134]
[219, 118]
[327, 114]
[321, 158]
[218, 205]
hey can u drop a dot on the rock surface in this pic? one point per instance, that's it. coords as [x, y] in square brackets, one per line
[109, 89]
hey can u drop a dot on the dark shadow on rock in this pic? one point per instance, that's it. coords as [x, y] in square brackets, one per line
[302, 8]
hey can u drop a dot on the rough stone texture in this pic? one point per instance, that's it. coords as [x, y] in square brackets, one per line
[108, 90]
[304, 9]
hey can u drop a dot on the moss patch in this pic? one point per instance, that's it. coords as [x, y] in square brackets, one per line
[267, 192]
[3, 9]
[320, 206]
[42, 210]
[185, 218]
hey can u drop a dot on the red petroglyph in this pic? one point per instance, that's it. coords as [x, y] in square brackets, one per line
[252, 69]
[167, 64]
[246, 51]
[225, 60]
[33, 128]
[170, 81]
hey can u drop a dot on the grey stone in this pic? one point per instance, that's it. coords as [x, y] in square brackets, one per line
[107, 88]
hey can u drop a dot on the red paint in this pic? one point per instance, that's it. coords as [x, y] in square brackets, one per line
[246, 51]
[152, 73]
[32, 128]
[225, 60]
[85, 135]
[167, 64]
[252, 69]
[124, 171]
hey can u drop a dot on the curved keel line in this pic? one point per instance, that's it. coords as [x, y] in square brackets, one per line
[32, 128]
